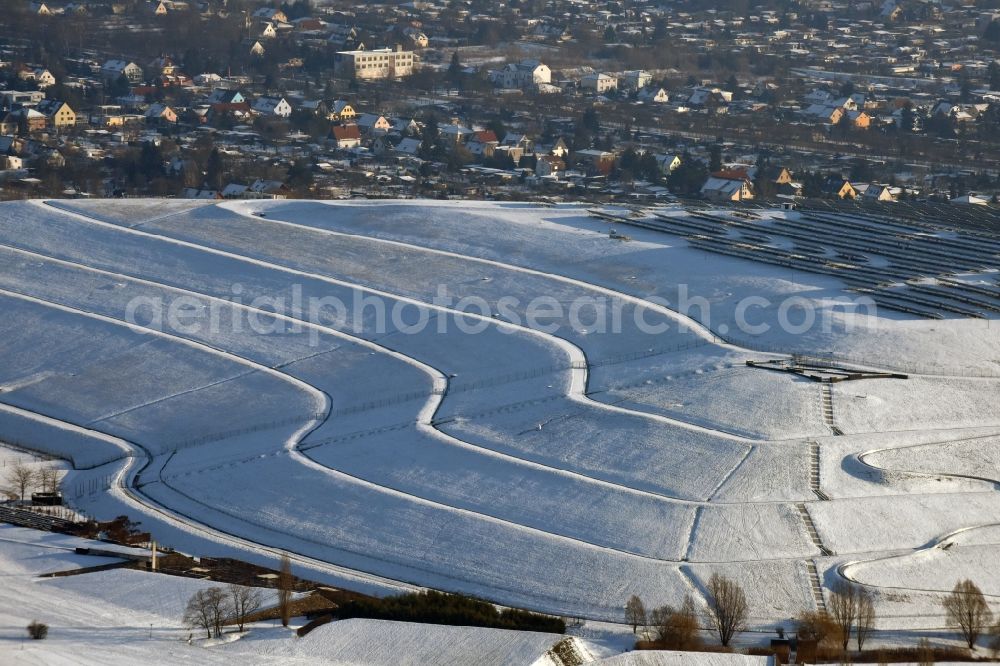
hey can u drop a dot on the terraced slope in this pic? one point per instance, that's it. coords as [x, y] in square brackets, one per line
[366, 387]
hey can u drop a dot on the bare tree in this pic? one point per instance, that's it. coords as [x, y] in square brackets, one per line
[21, 478]
[48, 479]
[844, 610]
[727, 607]
[244, 601]
[677, 629]
[635, 613]
[866, 617]
[206, 610]
[815, 626]
[967, 611]
[286, 584]
[197, 614]
[925, 653]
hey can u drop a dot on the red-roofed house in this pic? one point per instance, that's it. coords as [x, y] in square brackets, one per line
[346, 136]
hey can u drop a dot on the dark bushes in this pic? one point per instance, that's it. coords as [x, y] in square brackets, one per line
[452, 609]
[37, 630]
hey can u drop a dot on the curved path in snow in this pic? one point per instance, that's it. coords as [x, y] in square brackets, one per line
[578, 371]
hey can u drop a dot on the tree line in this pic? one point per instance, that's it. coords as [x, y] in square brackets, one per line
[851, 616]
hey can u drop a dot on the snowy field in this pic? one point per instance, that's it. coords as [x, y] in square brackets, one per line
[555, 463]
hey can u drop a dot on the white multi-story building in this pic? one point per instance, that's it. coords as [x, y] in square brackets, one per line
[599, 83]
[636, 79]
[525, 74]
[374, 64]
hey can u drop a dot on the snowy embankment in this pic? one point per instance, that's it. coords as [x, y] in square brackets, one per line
[561, 469]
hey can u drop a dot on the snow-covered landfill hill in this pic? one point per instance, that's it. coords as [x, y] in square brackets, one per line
[547, 406]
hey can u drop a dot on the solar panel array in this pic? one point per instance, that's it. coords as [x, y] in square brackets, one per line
[918, 261]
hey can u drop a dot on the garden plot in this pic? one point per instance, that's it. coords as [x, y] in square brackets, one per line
[416, 463]
[770, 405]
[620, 448]
[748, 532]
[915, 403]
[341, 520]
[975, 457]
[971, 554]
[775, 590]
[879, 524]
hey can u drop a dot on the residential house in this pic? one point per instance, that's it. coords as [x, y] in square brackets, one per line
[58, 113]
[257, 49]
[825, 113]
[859, 119]
[269, 189]
[408, 146]
[557, 148]
[270, 14]
[524, 74]
[668, 162]
[223, 96]
[235, 191]
[519, 141]
[239, 112]
[32, 119]
[8, 124]
[838, 187]
[417, 38]
[598, 161]
[636, 80]
[42, 77]
[12, 98]
[160, 113]
[549, 166]
[272, 106]
[482, 143]
[346, 136]
[455, 134]
[712, 99]
[372, 124]
[111, 70]
[880, 192]
[599, 83]
[654, 96]
[342, 110]
[384, 144]
[728, 186]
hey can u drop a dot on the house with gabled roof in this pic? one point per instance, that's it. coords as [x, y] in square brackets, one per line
[346, 136]
[111, 70]
[272, 106]
[729, 185]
